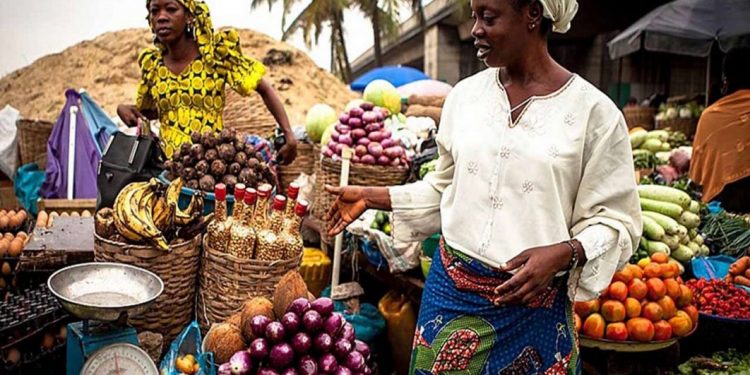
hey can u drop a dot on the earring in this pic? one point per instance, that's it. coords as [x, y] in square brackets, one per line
[532, 26]
[190, 30]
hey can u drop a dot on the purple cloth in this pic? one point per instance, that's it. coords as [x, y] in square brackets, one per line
[86, 155]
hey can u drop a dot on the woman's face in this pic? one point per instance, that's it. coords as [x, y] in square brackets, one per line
[168, 19]
[500, 31]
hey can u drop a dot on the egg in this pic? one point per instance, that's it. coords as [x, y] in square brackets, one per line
[22, 234]
[54, 214]
[4, 245]
[48, 341]
[86, 213]
[5, 269]
[64, 214]
[13, 356]
[3, 212]
[75, 214]
[9, 236]
[11, 213]
[14, 222]
[4, 222]
[22, 214]
[63, 334]
[16, 247]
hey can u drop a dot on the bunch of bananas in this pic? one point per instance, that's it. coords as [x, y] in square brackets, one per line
[141, 213]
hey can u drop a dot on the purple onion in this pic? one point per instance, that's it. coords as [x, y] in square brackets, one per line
[346, 139]
[281, 356]
[326, 151]
[363, 141]
[323, 305]
[362, 348]
[356, 159]
[341, 370]
[290, 371]
[323, 343]
[358, 133]
[275, 332]
[356, 112]
[366, 370]
[258, 325]
[343, 129]
[301, 343]
[259, 348]
[347, 332]
[333, 324]
[355, 361]
[369, 117]
[299, 306]
[384, 160]
[225, 369]
[340, 148]
[335, 136]
[267, 371]
[387, 133]
[375, 149]
[291, 322]
[312, 321]
[387, 142]
[367, 106]
[355, 122]
[368, 159]
[381, 115]
[327, 363]
[342, 348]
[307, 366]
[376, 136]
[241, 363]
[374, 127]
[360, 150]
[344, 119]
[395, 162]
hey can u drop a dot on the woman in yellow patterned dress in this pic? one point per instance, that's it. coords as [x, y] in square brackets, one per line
[183, 79]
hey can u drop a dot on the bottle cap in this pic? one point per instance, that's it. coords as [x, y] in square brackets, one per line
[264, 190]
[279, 202]
[239, 192]
[293, 190]
[250, 196]
[301, 208]
[220, 191]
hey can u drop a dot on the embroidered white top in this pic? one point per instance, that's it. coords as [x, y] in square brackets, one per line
[564, 170]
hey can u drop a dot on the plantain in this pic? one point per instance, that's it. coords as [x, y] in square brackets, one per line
[144, 203]
[173, 191]
[189, 232]
[122, 212]
[192, 212]
[163, 214]
[104, 223]
[133, 214]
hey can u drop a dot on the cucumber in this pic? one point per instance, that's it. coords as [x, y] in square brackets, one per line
[683, 254]
[671, 240]
[657, 247]
[665, 208]
[652, 229]
[637, 138]
[682, 231]
[670, 225]
[661, 135]
[653, 145]
[689, 219]
[684, 239]
[692, 232]
[665, 194]
[705, 251]
[698, 239]
[695, 207]
[695, 247]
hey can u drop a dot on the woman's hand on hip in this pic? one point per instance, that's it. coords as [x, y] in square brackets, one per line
[351, 202]
[130, 115]
[537, 268]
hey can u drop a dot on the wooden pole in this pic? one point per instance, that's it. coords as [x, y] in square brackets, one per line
[339, 242]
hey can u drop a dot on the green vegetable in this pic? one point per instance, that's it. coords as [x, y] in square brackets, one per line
[695, 247]
[653, 247]
[705, 251]
[695, 207]
[672, 241]
[665, 146]
[698, 239]
[689, 220]
[683, 254]
[665, 194]
[729, 234]
[684, 239]
[387, 228]
[692, 232]
[653, 145]
[661, 135]
[666, 208]
[670, 225]
[637, 138]
[652, 229]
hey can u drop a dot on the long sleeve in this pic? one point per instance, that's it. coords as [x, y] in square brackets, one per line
[606, 216]
[147, 61]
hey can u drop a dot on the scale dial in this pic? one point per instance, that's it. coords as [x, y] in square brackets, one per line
[120, 359]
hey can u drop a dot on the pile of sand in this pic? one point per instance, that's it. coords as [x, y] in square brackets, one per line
[107, 68]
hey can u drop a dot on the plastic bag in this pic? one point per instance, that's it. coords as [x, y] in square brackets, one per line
[8, 140]
[188, 342]
[26, 184]
[401, 256]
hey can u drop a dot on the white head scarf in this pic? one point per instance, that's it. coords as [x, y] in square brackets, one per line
[561, 12]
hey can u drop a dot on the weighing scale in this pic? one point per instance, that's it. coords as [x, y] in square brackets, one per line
[103, 295]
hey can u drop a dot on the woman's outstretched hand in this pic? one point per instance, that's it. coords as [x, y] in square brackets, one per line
[537, 268]
[351, 202]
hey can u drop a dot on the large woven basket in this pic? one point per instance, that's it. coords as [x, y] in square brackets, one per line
[32, 141]
[304, 163]
[226, 282]
[685, 125]
[173, 310]
[359, 174]
[248, 115]
[636, 116]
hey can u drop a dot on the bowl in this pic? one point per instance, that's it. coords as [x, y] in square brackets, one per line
[105, 291]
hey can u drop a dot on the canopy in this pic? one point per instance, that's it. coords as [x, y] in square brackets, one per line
[100, 125]
[425, 87]
[686, 27]
[396, 75]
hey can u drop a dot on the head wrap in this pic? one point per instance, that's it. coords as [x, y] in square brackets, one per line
[561, 12]
[203, 28]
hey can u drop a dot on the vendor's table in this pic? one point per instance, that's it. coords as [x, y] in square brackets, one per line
[69, 241]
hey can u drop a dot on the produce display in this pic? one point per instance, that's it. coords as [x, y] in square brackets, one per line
[148, 212]
[671, 111]
[212, 158]
[250, 232]
[644, 303]
[319, 118]
[728, 234]
[720, 298]
[670, 224]
[362, 129]
[383, 94]
[727, 362]
[11, 221]
[292, 334]
[667, 151]
[382, 222]
[45, 219]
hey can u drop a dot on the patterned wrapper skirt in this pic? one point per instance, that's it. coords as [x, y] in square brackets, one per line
[460, 330]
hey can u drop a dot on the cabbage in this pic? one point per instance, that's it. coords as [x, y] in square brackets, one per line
[383, 94]
[319, 118]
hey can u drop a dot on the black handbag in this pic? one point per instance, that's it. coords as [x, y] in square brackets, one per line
[126, 159]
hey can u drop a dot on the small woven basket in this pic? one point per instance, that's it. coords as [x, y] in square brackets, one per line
[173, 310]
[33, 136]
[304, 163]
[248, 115]
[226, 282]
[684, 125]
[640, 116]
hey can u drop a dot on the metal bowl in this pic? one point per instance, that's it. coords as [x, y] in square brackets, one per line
[105, 291]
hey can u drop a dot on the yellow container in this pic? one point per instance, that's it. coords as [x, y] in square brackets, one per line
[401, 322]
[315, 270]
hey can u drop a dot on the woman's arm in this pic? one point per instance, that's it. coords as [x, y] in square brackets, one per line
[129, 114]
[276, 107]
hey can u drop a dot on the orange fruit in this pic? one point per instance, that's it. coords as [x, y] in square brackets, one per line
[686, 296]
[644, 262]
[593, 326]
[653, 312]
[662, 331]
[681, 326]
[652, 270]
[640, 329]
[613, 311]
[670, 270]
[617, 331]
[692, 311]
[577, 321]
[660, 258]
[668, 306]
[584, 309]
[685, 315]
[656, 288]
[618, 291]
[637, 289]
[635, 270]
[624, 275]
[632, 308]
[673, 288]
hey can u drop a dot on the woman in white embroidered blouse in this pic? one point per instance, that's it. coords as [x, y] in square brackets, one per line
[534, 194]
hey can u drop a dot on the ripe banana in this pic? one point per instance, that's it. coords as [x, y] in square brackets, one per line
[121, 210]
[164, 214]
[134, 214]
[192, 212]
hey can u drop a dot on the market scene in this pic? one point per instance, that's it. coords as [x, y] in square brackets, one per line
[352, 187]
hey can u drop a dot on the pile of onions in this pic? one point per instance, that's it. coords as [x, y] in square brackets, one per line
[309, 339]
[362, 129]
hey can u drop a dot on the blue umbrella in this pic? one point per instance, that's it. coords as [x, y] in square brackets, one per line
[396, 75]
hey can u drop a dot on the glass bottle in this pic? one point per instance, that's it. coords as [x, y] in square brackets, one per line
[260, 217]
[291, 203]
[291, 236]
[242, 238]
[269, 247]
[218, 230]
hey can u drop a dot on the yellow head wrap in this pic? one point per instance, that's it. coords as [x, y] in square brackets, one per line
[204, 29]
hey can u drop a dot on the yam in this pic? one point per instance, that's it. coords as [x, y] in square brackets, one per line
[224, 340]
[289, 288]
[254, 307]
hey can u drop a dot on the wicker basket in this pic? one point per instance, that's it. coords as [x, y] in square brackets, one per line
[640, 116]
[32, 141]
[248, 115]
[226, 282]
[685, 125]
[304, 163]
[359, 174]
[173, 310]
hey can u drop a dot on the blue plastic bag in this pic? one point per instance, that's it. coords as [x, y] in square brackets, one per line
[26, 183]
[368, 324]
[188, 342]
[713, 268]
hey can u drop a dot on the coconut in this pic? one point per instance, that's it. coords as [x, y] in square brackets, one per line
[252, 308]
[236, 320]
[289, 288]
[224, 340]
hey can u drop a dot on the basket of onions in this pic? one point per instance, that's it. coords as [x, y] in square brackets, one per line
[308, 339]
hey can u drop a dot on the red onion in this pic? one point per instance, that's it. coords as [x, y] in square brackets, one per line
[384, 160]
[358, 133]
[241, 363]
[355, 122]
[258, 325]
[281, 356]
[363, 348]
[375, 149]
[333, 324]
[301, 342]
[340, 148]
[346, 139]
[312, 321]
[376, 136]
[326, 151]
[355, 361]
[369, 117]
[275, 332]
[327, 363]
[291, 322]
[342, 348]
[323, 305]
[347, 332]
[341, 370]
[363, 141]
[335, 136]
[386, 143]
[323, 343]
[344, 119]
[343, 129]
[307, 366]
[376, 126]
[367, 106]
[259, 348]
[360, 150]
[368, 159]
[356, 112]
[267, 371]
[299, 306]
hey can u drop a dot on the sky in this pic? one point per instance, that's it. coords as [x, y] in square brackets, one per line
[30, 29]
